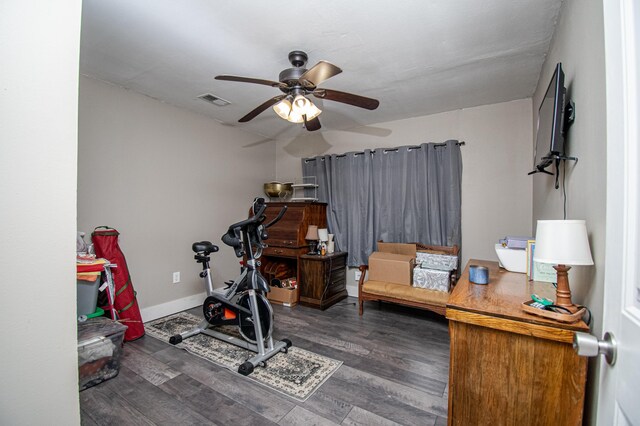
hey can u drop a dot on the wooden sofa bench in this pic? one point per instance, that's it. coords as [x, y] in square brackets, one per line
[402, 294]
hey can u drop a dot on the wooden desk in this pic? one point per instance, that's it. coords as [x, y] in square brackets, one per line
[323, 279]
[508, 366]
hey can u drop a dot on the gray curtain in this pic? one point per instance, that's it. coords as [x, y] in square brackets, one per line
[405, 194]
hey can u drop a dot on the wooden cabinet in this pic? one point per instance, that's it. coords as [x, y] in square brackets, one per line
[323, 279]
[508, 366]
[286, 241]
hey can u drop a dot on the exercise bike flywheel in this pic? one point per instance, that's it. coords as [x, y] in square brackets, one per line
[246, 325]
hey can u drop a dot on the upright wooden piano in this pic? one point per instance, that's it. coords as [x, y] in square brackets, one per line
[286, 243]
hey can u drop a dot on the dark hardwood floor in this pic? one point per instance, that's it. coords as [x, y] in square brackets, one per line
[395, 371]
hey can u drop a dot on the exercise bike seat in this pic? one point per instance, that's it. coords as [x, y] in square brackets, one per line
[204, 247]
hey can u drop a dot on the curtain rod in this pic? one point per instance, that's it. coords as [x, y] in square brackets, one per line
[461, 143]
[373, 151]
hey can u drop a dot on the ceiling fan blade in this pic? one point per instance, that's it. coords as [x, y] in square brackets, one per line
[347, 98]
[312, 125]
[261, 108]
[250, 80]
[318, 73]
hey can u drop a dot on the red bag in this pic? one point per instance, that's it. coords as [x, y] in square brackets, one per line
[105, 243]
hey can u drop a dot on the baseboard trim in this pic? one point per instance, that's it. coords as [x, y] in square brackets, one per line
[352, 290]
[162, 310]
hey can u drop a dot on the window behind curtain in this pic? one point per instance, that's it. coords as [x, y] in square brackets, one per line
[405, 194]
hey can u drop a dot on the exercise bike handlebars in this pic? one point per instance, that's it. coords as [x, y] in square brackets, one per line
[253, 219]
[233, 238]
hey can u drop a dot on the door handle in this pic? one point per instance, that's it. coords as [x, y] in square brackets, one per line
[588, 345]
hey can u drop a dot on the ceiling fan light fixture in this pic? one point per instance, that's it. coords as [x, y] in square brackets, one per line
[295, 117]
[301, 107]
[283, 108]
[301, 103]
[312, 111]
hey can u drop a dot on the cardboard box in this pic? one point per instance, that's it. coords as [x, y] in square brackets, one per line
[391, 267]
[284, 296]
[397, 248]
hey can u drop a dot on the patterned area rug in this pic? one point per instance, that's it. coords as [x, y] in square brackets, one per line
[296, 374]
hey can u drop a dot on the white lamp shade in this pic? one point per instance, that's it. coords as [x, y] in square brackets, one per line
[323, 234]
[562, 242]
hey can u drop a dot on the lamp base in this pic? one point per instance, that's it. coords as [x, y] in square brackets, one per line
[563, 291]
[312, 248]
[575, 316]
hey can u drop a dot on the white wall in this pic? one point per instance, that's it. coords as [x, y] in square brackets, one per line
[496, 191]
[579, 44]
[164, 177]
[39, 46]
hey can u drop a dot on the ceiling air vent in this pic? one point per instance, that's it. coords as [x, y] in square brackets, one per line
[213, 99]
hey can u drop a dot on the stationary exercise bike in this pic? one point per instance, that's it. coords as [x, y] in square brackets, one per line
[243, 302]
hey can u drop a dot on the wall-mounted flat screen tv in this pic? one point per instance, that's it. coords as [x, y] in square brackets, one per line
[550, 136]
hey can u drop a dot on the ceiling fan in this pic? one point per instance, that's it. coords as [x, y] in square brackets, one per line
[298, 82]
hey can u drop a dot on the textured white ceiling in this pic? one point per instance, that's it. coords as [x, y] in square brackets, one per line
[417, 57]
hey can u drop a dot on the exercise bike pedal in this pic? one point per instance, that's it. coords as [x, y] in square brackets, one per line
[213, 310]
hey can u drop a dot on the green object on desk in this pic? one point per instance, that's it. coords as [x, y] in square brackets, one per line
[543, 300]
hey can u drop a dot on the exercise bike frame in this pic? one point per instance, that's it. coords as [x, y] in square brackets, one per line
[249, 282]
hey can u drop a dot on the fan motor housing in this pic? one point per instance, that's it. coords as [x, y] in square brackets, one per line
[290, 76]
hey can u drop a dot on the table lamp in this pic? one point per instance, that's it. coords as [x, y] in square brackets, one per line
[323, 236]
[562, 243]
[312, 236]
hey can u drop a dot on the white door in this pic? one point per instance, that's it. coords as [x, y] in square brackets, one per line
[618, 395]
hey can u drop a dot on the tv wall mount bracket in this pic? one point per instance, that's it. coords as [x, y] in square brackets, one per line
[569, 117]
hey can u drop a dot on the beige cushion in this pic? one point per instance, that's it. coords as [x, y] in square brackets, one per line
[406, 292]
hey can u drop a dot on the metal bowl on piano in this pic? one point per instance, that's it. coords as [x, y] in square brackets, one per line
[278, 190]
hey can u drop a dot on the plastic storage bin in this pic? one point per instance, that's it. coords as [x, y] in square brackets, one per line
[87, 296]
[99, 350]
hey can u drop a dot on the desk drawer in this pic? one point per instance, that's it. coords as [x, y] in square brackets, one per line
[283, 251]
